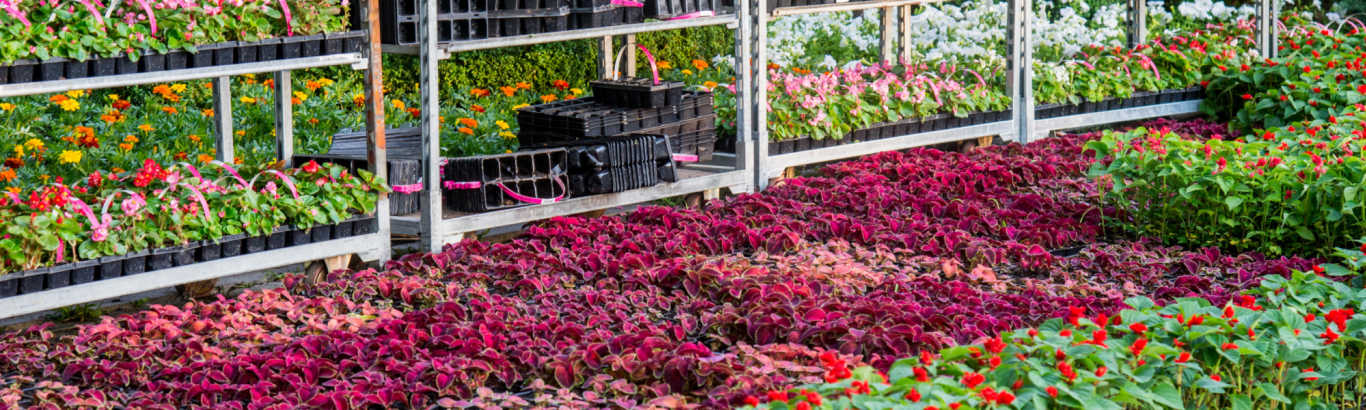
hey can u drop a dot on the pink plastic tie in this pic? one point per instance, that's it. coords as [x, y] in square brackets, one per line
[510, 193]
[462, 184]
[151, 17]
[627, 3]
[408, 189]
[684, 158]
[289, 19]
[695, 14]
[654, 68]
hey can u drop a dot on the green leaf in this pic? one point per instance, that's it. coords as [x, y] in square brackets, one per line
[1271, 392]
[1240, 402]
[1232, 202]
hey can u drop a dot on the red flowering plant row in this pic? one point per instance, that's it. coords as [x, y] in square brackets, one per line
[1290, 190]
[1318, 73]
[1294, 341]
[659, 307]
[108, 214]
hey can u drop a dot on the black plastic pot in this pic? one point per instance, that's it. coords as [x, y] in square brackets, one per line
[110, 267]
[4, 75]
[203, 55]
[104, 66]
[208, 250]
[52, 69]
[299, 237]
[177, 60]
[278, 239]
[226, 54]
[268, 49]
[84, 271]
[9, 285]
[151, 63]
[310, 46]
[321, 233]
[77, 69]
[32, 281]
[801, 144]
[357, 43]
[291, 47]
[59, 276]
[162, 258]
[184, 254]
[125, 65]
[231, 245]
[246, 53]
[135, 263]
[344, 229]
[255, 244]
[22, 71]
[334, 43]
[364, 226]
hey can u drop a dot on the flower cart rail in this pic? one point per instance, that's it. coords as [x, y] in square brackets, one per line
[371, 242]
[1045, 127]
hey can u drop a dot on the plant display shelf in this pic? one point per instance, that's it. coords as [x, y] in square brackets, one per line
[1043, 128]
[363, 245]
[446, 49]
[370, 247]
[437, 226]
[693, 178]
[774, 165]
[845, 5]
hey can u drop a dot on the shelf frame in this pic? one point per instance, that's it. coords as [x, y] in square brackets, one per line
[777, 163]
[1047, 127]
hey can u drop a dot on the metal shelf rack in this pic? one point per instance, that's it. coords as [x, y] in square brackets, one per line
[369, 247]
[437, 227]
[1045, 127]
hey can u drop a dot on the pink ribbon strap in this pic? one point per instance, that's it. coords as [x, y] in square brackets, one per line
[684, 158]
[283, 178]
[98, 17]
[289, 20]
[654, 68]
[695, 14]
[232, 171]
[407, 189]
[627, 3]
[510, 193]
[151, 17]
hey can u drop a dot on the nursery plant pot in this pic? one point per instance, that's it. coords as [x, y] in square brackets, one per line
[291, 47]
[84, 271]
[135, 263]
[52, 69]
[32, 281]
[77, 69]
[246, 53]
[151, 63]
[9, 285]
[344, 229]
[268, 49]
[321, 233]
[364, 226]
[185, 254]
[1105, 105]
[801, 144]
[231, 245]
[311, 46]
[279, 238]
[176, 60]
[59, 276]
[255, 244]
[110, 267]
[162, 258]
[208, 250]
[22, 71]
[299, 237]
[104, 66]
[225, 54]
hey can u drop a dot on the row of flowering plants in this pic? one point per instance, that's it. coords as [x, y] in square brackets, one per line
[156, 205]
[82, 29]
[1291, 342]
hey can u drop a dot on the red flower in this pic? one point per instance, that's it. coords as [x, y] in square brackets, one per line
[1184, 357]
[1229, 346]
[1309, 378]
[1328, 336]
[1247, 96]
[1318, 270]
[1198, 319]
[1306, 69]
[1138, 327]
[775, 395]
[971, 380]
[1216, 378]
[1137, 347]
[995, 345]
[751, 401]
[1100, 371]
[803, 406]
[1005, 397]
[1052, 391]
[913, 395]
[921, 375]
[1074, 313]
[1339, 317]
[311, 167]
[560, 84]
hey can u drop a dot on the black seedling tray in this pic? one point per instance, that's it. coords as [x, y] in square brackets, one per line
[538, 174]
[516, 22]
[586, 118]
[665, 9]
[695, 136]
[403, 148]
[637, 92]
[617, 164]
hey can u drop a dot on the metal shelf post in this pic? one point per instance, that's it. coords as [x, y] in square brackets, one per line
[284, 118]
[1020, 67]
[1137, 21]
[222, 118]
[431, 128]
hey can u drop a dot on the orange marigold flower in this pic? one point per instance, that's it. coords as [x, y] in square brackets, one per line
[58, 98]
[468, 122]
[477, 108]
[126, 146]
[480, 92]
[268, 83]
[560, 84]
[7, 174]
[508, 91]
[180, 156]
[193, 137]
[700, 64]
[548, 98]
[295, 100]
[466, 131]
[313, 121]
[312, 85]
[169, 110]
[414, 112]
[121, 104]
[205, 158]
[523, 85]
[14, 162]
[207, 112]
[162, 89]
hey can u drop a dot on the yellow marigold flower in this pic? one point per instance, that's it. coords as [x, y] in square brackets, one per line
[70, 157]
[687, 72]
[576, 91]
[301, 96]
[398, 104]
[18, 150]
[112, 97]
[358, 99]
[664, 65]
[465, 131]
[13, 189]
[502, 125]
[34, 144]
[247, 100]
[507, 135]
[76, 93]
[249, 75]
[71, 105]
[130, 138]
[709, 84]
[549, 98]
[520, 106]
[180, 88]
[325, 81]
[126, 146]
[7, 106]
[146, 128]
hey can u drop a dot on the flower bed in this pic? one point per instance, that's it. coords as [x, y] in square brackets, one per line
[158, 217]
[879, 258]
[60, 41]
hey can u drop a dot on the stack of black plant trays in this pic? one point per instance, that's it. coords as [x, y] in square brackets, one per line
[464, 20]
[493, 182]
[1139, 99]
[207, 55]
[110, 267]
[908, 126]
[403, 155]
[619, 164]
[602, 13]
[639, 107]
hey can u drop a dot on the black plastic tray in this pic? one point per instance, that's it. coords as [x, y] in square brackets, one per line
[537, 174]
